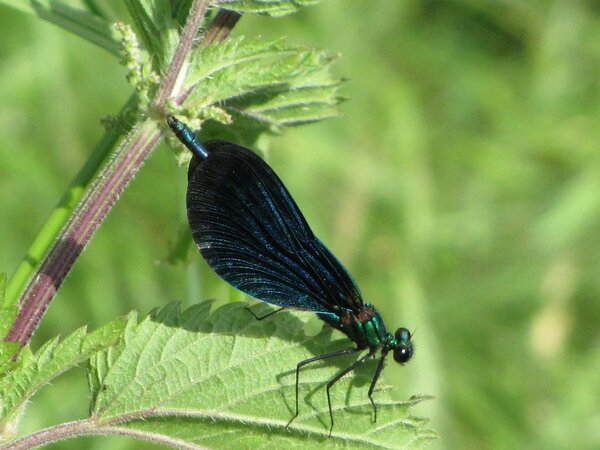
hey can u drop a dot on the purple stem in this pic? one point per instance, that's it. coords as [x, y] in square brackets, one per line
[109, 185]
[77, 233]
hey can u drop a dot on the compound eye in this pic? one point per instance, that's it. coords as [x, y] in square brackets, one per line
[402, 335]
[402, 354]
[403, 349]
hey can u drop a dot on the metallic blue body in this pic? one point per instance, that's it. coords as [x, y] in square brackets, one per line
[250, 231]
[187, 137]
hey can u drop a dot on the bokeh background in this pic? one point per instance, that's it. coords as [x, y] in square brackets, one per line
[461, 187]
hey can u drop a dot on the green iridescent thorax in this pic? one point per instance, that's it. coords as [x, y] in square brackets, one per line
[365, 328]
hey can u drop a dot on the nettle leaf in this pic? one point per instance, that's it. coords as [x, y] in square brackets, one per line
[156, 26]
[225, 380]
[270, 7]
[7, 351]
[55, 357]
[282, 106]
[263, 85]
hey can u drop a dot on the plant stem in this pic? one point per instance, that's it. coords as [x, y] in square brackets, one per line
[85, 220]
[61, 214]
[186, 43]
[100, 198]
[88, 427]
[218, 30]
[53, 434]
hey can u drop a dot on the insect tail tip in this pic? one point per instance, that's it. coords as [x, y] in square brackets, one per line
[172, 121]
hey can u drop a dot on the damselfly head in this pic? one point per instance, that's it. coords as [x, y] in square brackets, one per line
[403, 350]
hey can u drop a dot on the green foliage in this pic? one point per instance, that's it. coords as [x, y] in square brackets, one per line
[8, 313]
[154, 23]
[222, 380]
[298, 87]
[7, 349]
[270, 7]
[33, 371]
[459, 188]
[170, 375]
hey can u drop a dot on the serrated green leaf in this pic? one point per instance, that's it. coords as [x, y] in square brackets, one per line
[297, 87]
[225, 380]
[53, 358]
[226, 57]
[7, 351]
[105, 359]
[274, 8]
[155, 26]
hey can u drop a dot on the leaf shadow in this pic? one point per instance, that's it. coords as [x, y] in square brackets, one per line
[248, 126]
[360, 377]
[234, 319]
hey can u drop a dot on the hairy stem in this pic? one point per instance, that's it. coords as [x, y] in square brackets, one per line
[61, 214]
[85, 220]
[186, 43]
[100, 198]
[218, 31]
[88, 427]
[53, 434]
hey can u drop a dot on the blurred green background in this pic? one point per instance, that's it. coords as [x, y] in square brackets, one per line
[461, 187]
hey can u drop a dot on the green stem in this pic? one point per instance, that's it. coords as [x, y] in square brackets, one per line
[84, 221]
[217, 31]
[103, 193]
[61, 214]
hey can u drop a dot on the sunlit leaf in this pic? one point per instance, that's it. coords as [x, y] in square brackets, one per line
[225, 380]
[297, 87]
[53, 358]
[270, 7]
